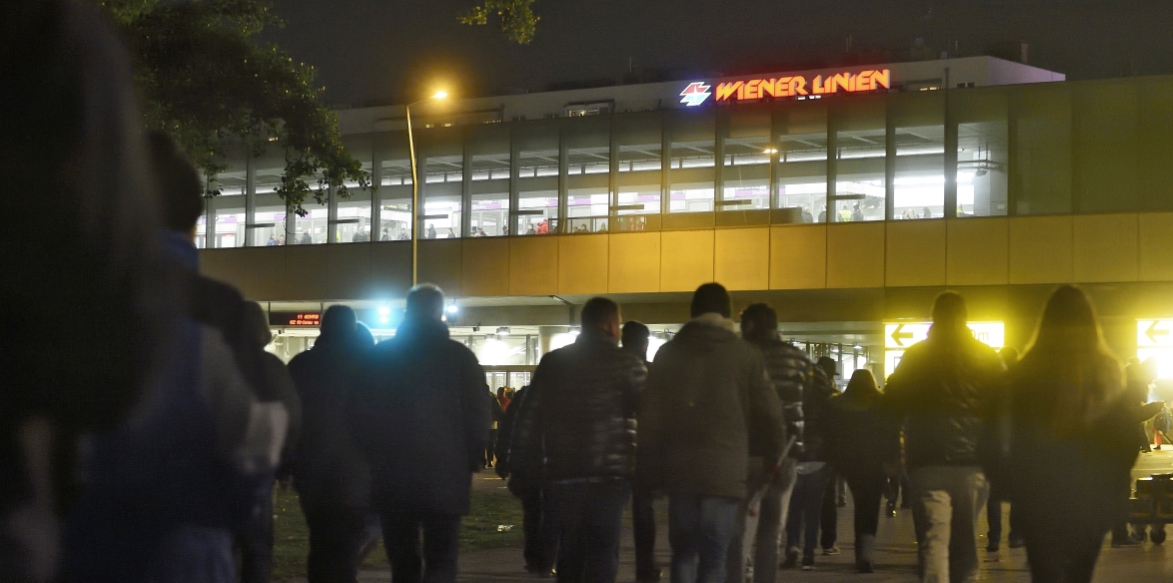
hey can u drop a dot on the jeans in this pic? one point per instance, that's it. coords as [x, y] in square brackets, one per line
[541, 534]
[829, 513]
[436, 561]
[866, 490]
[699, 530]
[765, 529]
[806, 506]
[255, 539]
[643, 519]
[588, 516]
[946, 503]
[336, 535]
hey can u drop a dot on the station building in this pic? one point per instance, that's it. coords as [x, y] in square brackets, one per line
[846, 198]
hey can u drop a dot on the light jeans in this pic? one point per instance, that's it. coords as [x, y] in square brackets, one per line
[946, 502]
[699, 530]
[764, 531]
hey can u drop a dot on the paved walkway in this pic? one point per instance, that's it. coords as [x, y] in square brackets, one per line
[895, 557]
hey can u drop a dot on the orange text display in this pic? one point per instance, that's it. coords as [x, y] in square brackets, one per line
[799, 86]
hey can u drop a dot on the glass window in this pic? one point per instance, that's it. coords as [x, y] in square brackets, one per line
[201, 236]
[919, 185]
[312, 228]
[489, 177]
[537, 178]
[1043, 157]
[441, 182]
[747, 152]
[269, 221]
[354, 217]
[395, 192]
[640, 142]
[588, 174]
[1107, 146]
[690, 175]
[801, 142]
[982, 151]
[230, 221]
[861, 159]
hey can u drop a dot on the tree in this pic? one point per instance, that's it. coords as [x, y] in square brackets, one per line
[518, 21]
[205, 78]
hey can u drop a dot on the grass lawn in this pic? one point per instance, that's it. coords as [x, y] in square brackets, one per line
[479, 531]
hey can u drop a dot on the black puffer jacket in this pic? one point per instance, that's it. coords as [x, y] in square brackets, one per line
[577, 420]
[793, 375]
[943, 391]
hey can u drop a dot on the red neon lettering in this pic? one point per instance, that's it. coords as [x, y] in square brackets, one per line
[751, 89]
[726, 90]
[882, 78]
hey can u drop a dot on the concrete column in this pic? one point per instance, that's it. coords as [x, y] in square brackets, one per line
[466, 188]
[250, 200]
[665, 164]
[950, 155]
[376, 201]
[563, 171]
[889, 165]
[332, 216]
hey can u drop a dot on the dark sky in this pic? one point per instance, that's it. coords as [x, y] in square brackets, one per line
[392, 50]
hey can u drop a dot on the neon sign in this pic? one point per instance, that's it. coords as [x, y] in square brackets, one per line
[295, 318]
[794, 86]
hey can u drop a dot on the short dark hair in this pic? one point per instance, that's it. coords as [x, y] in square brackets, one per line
[181, 194]
[711, 298]
[425, 300]
[597, 312]
[635, 332]
[763, 318]
[338, 322]
[829, 366]
[949, 308]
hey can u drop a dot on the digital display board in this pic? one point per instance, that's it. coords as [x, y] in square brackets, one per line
[295, 318]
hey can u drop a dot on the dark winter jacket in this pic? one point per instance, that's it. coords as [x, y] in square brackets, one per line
[327, 466]
[505, 433]
[942, 393]
[708, 396]
[864, 439]
[794, 378]
[421, 417]
[578, 420]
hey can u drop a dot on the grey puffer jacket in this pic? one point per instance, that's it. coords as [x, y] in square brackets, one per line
[577, 421]
[794, 378]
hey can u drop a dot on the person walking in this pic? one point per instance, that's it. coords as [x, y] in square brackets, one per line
[1009, 356]
[1071, 423]
[330, 475]
[807, 504]
[421, 417]
[835, 496]
[576, 434]
[541, 534]
[708, 398]
[636, 338]
[793, 376]
[942, 392]
[865, 449]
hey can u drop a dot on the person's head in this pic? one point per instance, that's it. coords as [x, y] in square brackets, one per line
[601, 315]
[862, 385]
[1009, 356]
[425, 302]
[711, 298]
[256, 324]
[180, 192]
[1069, 323]
[338, 325]
[635, 337]
[500, 392]
[949, 312]
[759, 322]
[363, 336]
[829, 366]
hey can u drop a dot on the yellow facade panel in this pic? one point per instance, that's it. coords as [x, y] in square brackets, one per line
[916, 253]
[634, 265]
[439, 263]
[1040, 250]
[855, 255]
[1105, 248]
[742, 258]
[582, 264]
[258, 272]
[1156, 246]
[485, 267]
[390, 270]
[977, 251]
[686, 260]
[533, 266]
[798, 257]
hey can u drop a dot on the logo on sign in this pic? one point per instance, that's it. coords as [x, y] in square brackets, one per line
[695, 94]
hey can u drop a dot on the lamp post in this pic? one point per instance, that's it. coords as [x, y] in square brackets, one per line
[415, 190]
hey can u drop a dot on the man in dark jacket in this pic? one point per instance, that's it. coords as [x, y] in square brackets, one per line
[942, 392]
[708, 396]
[329, 473]
[636, 337]
[793, 376]
[576, 433]
[421, 416]
[541, 534]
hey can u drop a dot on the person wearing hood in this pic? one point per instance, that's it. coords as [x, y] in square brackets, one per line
[1071, 423]
[708, 402]
[421, 416]
[943, 393]
[864, 448]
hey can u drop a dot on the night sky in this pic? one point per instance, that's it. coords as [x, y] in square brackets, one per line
[391, 50]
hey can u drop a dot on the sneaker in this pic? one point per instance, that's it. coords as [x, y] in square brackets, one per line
[808, 563]
[831, 551]
[791, 558]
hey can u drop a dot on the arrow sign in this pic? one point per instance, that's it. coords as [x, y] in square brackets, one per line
[899, 336]
[1154, 333]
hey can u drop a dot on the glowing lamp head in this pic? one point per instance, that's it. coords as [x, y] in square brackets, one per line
[441, 94]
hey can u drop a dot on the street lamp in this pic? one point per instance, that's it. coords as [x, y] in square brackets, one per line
[415, 190]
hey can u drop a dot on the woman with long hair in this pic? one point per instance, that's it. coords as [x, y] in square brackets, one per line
[1072, 440]
[863, 445]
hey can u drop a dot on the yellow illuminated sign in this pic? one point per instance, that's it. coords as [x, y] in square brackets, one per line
[1154, 339]
[898, 336]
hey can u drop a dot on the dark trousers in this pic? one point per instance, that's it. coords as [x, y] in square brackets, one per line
[829, 513]
[491, 447]
[432, 562]
[336, 533]
[866, 491]
[893, 488]
[994, 518]
[1059, 554]
[588, 516]
[255, 540]
[643, 519]
[541, 534]
[806, 504]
